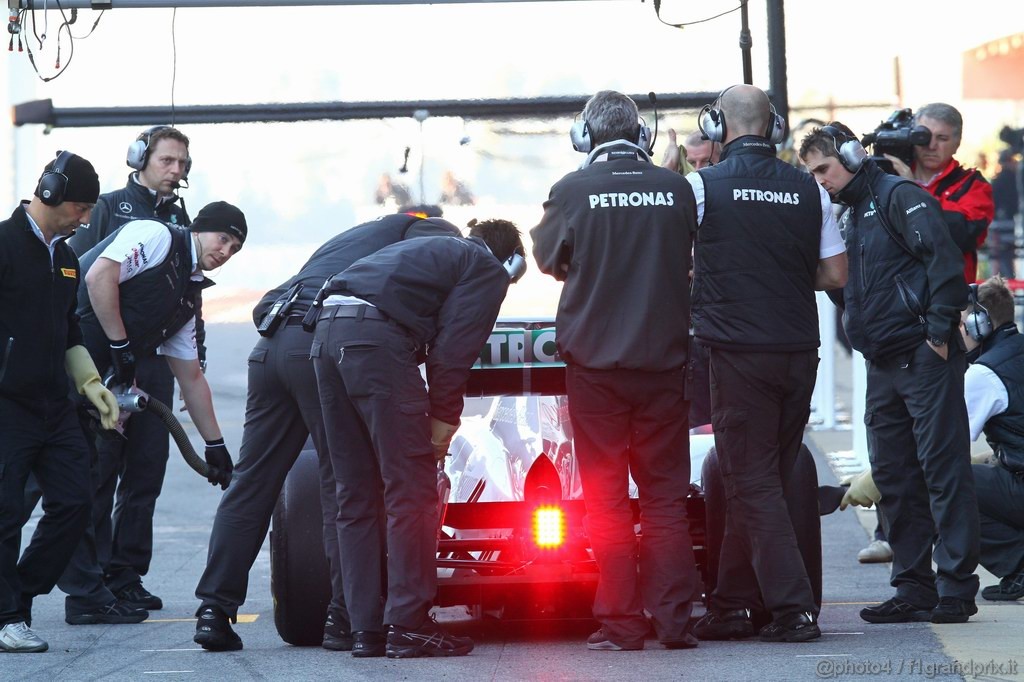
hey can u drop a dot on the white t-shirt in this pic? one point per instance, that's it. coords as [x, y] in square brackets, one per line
[985, 395]
[832, 243]
[139, 246]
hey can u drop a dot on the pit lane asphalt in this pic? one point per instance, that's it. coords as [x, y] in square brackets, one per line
[162, 647]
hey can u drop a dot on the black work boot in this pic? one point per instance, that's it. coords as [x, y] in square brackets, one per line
[368, 644]
[213, 631]
[429, 639]
[722, 625]
[791, 627]
[336, 634]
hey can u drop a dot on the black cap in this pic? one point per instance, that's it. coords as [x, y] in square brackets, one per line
[220, 216]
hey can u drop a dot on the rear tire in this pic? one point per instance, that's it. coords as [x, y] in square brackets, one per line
[299, 577]
[801, 493]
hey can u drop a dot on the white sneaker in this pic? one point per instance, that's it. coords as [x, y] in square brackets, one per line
[878, 552]
[18, 638]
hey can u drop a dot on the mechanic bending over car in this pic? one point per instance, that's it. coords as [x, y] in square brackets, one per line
[40, 349]
[139, 301]
[993, 388]
[767, 239]
[622, 330]
[282, 411]
[918, 433]
[387, 434]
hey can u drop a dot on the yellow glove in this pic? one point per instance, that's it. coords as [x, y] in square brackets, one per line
[862, 492]
[83, 372]
[441, 434]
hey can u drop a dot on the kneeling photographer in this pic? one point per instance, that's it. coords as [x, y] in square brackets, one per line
[921, 148]
[902, 309]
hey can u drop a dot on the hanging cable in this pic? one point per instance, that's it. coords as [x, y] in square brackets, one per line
[174, 62]
[657, 13]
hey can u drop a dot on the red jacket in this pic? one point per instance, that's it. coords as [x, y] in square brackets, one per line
[966, 200]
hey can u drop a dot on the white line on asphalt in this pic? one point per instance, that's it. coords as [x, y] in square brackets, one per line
[842, 633]
[152, 650]
[165, 672]
[822, 655]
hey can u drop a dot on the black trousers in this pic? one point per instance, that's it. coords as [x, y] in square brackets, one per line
[631, 422]
[1001, 507]
[760, 404]
[282, 410]
[376, 411]
[43, 439]
[919, 445]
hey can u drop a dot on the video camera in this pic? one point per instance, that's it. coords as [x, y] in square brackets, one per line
[897, 136]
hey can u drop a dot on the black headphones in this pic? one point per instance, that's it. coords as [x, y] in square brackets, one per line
[515, 266]
[53, 183]
[583, 140]
[711, 121]
[978, 323]
[849, 149]
[138, 151]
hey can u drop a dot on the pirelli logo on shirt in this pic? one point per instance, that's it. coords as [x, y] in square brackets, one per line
[70, 273]
[623, 199]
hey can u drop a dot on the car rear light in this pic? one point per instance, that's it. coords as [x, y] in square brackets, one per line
[548, 527]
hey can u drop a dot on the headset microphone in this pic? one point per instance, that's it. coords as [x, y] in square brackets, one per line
[405, 162]
[654, 105]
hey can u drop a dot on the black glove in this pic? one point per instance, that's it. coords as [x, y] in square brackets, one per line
[219, 462]
[123, 362]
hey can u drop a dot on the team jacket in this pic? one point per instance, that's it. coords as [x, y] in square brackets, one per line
[966, 201]
[904, 287]
[155, 305]
[757, 253]
[343, 250]
[446, 292]
[1004, 355]
[618, 233]
[37, 312]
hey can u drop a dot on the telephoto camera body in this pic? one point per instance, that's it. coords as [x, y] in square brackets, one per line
[896, 136]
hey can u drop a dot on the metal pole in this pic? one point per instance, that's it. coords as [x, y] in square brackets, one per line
[155, 4]
[777, 58]
[746, 42]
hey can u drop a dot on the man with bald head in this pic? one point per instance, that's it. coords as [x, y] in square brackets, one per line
[766, 241]
[695, 153]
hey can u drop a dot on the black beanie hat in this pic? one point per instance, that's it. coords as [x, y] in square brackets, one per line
[83, 184]
[220, 216]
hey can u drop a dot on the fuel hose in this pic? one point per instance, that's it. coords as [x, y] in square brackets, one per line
[188, 453]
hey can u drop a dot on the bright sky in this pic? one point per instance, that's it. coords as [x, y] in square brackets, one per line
[300, 183]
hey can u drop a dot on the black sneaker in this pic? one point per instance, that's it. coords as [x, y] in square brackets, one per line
[896, 610]
[953, 610]
[599, 641]
[791, 627]
[336, 635]
[687, 641]
[137, 595]
[1010, 588]
[213, 631]
[429, 639]
[115, 613]
[721, 625]
[368, 644]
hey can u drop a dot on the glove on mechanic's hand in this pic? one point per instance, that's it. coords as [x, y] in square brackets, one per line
[219, 461]
[123, 360]
[862, 491]
[82, 371]
[441, 437]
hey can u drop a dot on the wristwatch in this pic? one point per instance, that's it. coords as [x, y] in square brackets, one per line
[936, 341]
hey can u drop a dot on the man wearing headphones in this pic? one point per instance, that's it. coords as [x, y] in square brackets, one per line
[616, 231]
[994, 391]
[282, 411]
[387, 432]
[902, 307]
[695, 152]
[160, 161]
[767, 240]
[139, 304]
[964, 194]
[40, 349]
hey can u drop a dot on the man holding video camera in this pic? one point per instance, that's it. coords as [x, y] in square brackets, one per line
[964, 195]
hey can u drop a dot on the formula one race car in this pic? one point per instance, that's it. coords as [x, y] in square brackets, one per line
[513, 542]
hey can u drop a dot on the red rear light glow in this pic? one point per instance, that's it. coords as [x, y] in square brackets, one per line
[548, 527]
